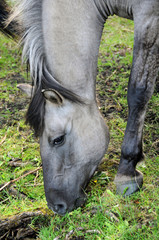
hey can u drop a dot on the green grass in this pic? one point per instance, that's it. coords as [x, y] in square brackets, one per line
[105, 215]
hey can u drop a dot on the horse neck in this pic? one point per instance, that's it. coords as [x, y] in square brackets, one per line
[72, 34]
[65, 35]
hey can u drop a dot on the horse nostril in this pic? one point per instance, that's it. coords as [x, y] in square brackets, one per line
[60, 208]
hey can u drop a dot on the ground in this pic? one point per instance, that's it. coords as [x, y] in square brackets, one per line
[105, 214]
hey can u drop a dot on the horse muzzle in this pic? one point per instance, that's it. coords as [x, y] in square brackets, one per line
[60, 204]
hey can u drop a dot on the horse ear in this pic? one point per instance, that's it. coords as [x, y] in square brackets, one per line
[53, 96]
[26, 88]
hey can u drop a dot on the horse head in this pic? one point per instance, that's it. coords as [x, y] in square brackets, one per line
[73, 141]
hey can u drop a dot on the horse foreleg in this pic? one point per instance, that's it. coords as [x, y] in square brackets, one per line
[141, 85]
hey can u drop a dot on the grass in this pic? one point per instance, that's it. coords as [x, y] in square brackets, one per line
[105, 214]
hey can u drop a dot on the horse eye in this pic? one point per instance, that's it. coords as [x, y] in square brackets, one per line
[58, 141]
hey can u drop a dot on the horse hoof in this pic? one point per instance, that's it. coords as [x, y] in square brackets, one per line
[126, 185]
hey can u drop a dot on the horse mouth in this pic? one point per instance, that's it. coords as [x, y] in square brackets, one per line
[62, 209]
[80, 201]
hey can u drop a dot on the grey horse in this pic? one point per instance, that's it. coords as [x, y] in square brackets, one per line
[60, 40]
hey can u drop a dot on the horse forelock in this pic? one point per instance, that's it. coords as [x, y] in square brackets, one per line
[29, 15]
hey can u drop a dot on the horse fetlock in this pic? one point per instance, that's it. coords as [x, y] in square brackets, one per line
[127, 185]
[127, 165]
[132, 144]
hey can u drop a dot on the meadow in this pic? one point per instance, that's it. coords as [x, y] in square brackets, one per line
[105, 215]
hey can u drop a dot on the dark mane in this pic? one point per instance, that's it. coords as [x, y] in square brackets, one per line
[36, 110]
[9, 30]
